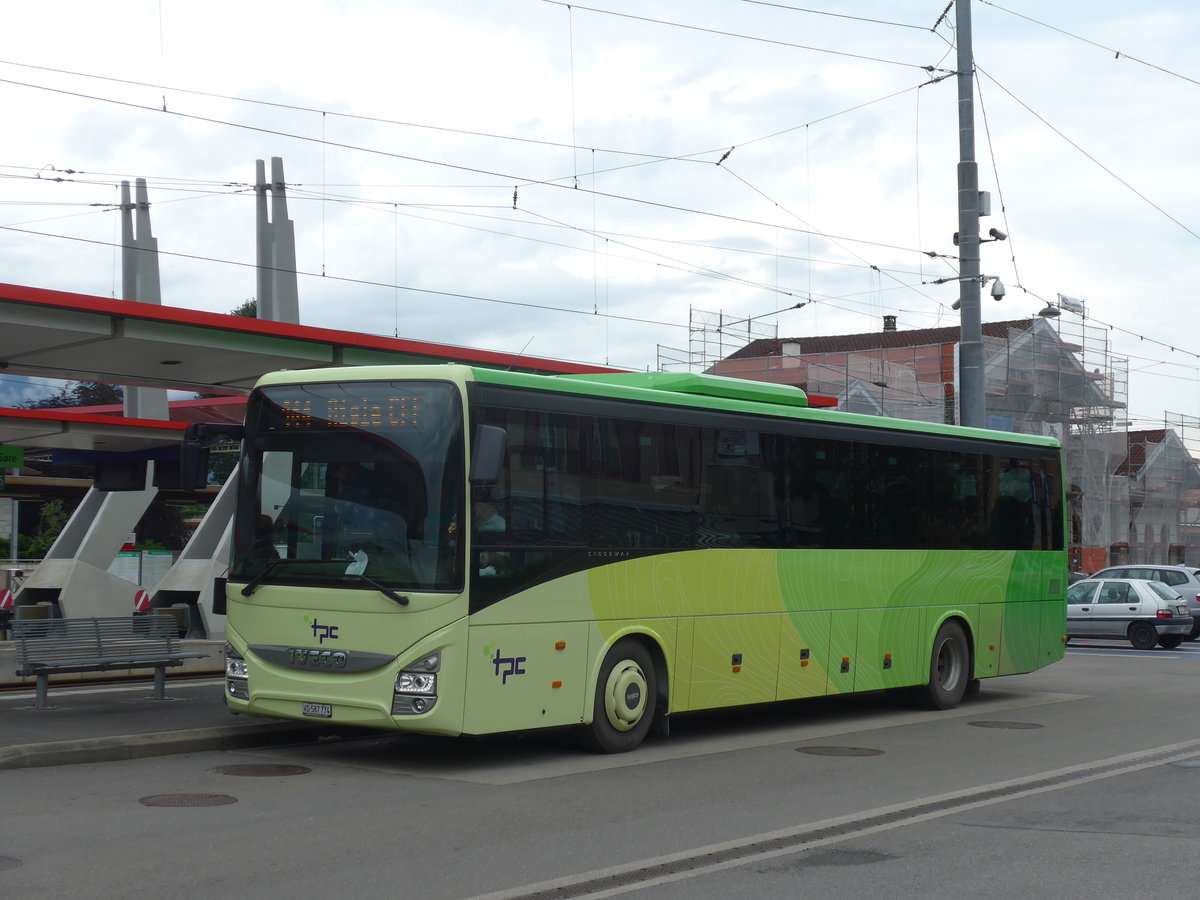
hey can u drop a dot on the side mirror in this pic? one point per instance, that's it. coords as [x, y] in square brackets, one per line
[219, 597]
[489, 447]
[193, 455]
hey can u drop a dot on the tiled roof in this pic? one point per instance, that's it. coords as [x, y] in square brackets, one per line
[1139, 443]
[873, 340]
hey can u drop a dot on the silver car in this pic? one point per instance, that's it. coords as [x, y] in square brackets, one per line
[1185, 579]
[1143, 612]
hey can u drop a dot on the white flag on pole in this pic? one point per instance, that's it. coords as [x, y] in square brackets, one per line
[1070, 303]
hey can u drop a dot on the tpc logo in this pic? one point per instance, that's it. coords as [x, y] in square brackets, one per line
[324, 631]
[512, 665]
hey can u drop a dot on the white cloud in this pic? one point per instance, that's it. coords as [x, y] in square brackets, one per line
[431, 209]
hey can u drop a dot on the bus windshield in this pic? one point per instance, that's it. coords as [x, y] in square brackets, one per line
[354, 484]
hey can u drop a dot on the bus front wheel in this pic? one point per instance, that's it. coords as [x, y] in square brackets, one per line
[625, 698]
[949, 670]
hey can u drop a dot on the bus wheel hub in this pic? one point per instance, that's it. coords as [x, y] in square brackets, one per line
[625, 695]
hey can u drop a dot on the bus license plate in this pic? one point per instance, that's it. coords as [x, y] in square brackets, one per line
[319, 710]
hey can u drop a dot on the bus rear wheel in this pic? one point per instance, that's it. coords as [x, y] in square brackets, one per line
[949, 670]
[625, 698]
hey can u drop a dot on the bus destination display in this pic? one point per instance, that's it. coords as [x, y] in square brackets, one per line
[351, 412]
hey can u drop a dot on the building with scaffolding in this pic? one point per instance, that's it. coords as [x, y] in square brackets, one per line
[1133, 495]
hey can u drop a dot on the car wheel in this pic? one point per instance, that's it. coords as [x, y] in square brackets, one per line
[1170, 641]
[1142, 635]
[949, 670]
[625, 700]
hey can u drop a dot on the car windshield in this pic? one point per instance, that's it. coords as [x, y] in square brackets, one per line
[342, 481]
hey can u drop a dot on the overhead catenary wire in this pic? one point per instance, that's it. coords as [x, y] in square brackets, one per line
[698, 271]
[1117, 54]
[733, 34]
[594, 230]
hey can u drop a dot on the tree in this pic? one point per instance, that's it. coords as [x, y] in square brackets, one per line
[78, 393]
[161, 527]
[247, 310]
[51, 520]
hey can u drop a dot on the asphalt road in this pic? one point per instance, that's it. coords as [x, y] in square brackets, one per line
[1081, 780]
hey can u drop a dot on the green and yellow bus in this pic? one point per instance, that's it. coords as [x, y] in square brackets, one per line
[454, 550]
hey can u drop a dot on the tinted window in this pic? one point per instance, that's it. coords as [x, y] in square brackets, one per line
[582, 487]
[1170, 576]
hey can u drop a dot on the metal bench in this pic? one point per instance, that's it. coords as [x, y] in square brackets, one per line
[44, 646]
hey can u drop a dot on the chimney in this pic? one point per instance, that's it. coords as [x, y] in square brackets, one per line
[889, 323]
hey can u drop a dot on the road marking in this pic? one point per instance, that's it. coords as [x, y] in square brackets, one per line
[636, 876]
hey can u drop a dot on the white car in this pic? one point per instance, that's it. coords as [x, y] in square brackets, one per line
[1143, 612]
[1185, 579]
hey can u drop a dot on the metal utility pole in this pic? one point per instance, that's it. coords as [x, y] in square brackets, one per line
[972, 409]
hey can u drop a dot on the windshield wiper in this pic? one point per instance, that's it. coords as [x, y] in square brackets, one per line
[254, 582]
[272, 565]
[383, 589]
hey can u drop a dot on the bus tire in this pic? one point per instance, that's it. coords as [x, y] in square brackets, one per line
[949, 670]
[625, 699]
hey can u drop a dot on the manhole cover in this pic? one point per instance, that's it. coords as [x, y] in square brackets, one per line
[1182, 763]
[188, 800]
[8, 862]
[839, 751]
[261, 771]
[1014, 725]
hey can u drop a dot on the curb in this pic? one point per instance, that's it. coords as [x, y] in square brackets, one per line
[161, 743]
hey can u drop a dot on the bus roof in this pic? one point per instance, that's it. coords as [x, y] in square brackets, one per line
[712, 392]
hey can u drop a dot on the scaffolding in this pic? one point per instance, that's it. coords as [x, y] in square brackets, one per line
[711, 337]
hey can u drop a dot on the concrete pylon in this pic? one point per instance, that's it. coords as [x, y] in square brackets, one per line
[140, 282]
[73, 578]
[278, 299]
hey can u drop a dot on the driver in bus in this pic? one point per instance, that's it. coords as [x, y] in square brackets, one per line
[264, 539]
[489, 521]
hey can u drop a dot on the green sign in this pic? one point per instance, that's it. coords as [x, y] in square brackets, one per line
[11, 457]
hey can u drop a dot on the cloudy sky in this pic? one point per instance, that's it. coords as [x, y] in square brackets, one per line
[580, 181]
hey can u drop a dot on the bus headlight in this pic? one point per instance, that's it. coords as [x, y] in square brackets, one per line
[416, 683]
[416, 687]
[237, 676]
